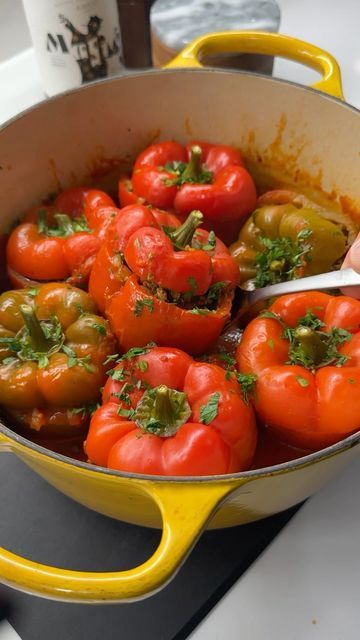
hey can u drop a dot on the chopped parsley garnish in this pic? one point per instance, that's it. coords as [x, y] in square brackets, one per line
[282, 258]
[100, 328]
[302, 381]
[117, 374]
[142, 365]
[193, 286]
[199, 312]
[209, 245]
[74, 360]
[227, 358]
[32, 291]
[310, 346]
[147, 303]
[126, 413]
[111, 358]
[86, 410]
[214, 292]
[137, 351]
[209, 411]
[247, 384]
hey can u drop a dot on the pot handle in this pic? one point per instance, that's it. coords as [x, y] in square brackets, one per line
[273, 44]
[186, 507]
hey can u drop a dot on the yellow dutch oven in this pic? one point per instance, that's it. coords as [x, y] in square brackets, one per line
[305, 136]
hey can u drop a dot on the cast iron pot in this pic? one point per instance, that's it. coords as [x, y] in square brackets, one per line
[310, 135]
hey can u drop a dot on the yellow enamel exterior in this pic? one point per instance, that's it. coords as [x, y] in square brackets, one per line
[272, 44]
[183, 508]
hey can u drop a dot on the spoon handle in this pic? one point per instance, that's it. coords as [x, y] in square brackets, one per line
[333, 280]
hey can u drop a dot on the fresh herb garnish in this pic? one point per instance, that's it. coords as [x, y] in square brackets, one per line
[209, 245]
[111, 358]
[214, 292]
[193, 286]
[247, 384]
[100, 328]
[311, 347]
[137, 351]
[282, 258]
[123, 394]
[199, 312]
[142, 365]
[147, 303]
[32, 291]
[209, 411]
[117, 374]
[74, 360]
[10, 360]
[302, 381]
[126, 413]
[87, 410]
[227, 358]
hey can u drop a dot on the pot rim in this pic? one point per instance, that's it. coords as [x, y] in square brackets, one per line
[315, 456]
[174, 70]
[343, 445]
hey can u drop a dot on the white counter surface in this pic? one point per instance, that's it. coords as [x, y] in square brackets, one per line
[306, 583]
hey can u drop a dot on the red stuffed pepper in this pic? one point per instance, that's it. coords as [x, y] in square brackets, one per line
[109, 271]
[165, 414]
[202, 176]
[305, 352]
[174, 287]
[59, 241]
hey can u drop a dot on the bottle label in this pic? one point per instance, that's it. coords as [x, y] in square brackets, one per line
[75, 42]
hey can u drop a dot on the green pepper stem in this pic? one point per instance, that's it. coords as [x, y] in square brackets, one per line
[192, 172]
[312, 344]
[182, 236]
[64, 224]
[162, 410]
[39, 342]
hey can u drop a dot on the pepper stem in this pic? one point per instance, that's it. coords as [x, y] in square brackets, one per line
[39, 342]
[183, 235]
[161, 411]
[64, 224]
[163, 408]
[312, 344]
[193, 169]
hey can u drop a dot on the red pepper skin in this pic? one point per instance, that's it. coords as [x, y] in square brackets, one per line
[216, 157]
[108, 272]
[78, 201]
[150, 255]
[225, 203]
[39, 257]
[225, 445]
[223, 266]
[126, 194]
[149, 176]
[166, 323]
[312, 410]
